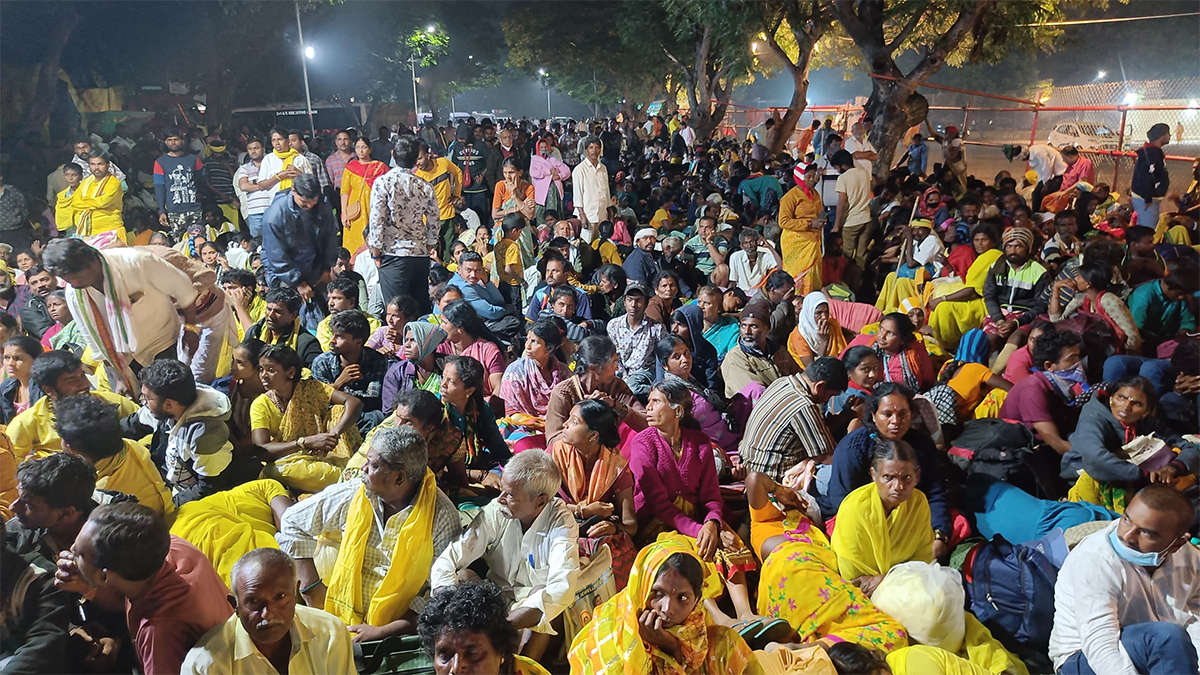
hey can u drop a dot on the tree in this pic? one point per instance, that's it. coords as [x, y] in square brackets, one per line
[62, 20]
[940, 31]
[793, 27]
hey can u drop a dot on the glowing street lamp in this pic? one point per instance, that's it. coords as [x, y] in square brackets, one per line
[309, 53]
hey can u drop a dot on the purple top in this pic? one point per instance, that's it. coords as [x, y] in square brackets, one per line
[661, 479]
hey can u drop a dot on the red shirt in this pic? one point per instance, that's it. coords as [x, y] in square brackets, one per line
[185, 600]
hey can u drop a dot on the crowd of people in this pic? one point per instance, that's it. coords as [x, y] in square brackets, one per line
[603, 397]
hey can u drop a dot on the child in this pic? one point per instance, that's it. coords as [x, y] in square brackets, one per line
[64, 334]
[509, 269]
[1142, 263]
[388, 339]
[64, 213]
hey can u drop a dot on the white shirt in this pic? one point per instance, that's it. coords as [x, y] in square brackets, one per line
[538, 569]
[253, 203]
[320, 646]
[688, 135]
[366, 268]
[590, 185]
[156, 290]
[853, 145]
[1097, 593]
[929, 249]
[746, 276]
[1046, 162]
[827, 184]
[271, 165]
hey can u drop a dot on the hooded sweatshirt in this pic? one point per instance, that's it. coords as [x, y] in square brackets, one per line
[706, 366]
[196, 446]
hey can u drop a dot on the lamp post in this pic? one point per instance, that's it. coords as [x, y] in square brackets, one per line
[542, 73]
[412, 61]
[306, 53]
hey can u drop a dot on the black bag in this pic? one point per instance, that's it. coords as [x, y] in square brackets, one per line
[1006, 452]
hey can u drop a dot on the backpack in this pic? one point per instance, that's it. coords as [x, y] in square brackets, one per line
[1005, 451]
[1010, 589]
[769, 201]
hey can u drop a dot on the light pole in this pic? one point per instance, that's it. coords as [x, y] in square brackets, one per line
[542, 73]
[306, 53]
[412, 61]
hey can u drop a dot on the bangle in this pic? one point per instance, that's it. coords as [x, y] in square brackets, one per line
[300, 443]
[311, 586]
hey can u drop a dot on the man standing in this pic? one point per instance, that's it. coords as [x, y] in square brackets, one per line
[258, 192]
[447, 181]
[589, 181]
[918, 156]
[177, 180]
[853, 217]
[1150, 179]
[860, 148]
[15, 229]
[403, 228]
[101, 289]
[821, 136]
[300, 238]
[953, 154]
[335, 163]
[220, 167]
[465, 153]
[35, 318]
[270, 632]
[381, 147]
[1127, 597]
[283, 163]
[83, 152]
[504, 149]
[296, 142]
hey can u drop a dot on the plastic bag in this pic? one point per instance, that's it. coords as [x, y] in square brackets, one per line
[928, 600]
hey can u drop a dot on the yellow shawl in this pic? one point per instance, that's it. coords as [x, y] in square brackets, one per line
[288, 158]
[868, 542]
[132, 472]
[611, 645]
[412, 558]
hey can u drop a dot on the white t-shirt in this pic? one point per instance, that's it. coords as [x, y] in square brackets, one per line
[746, 276]
[856, 184]
[271, 165]
[827, 185]
[853, 145]
[929, 248]
[253, 203]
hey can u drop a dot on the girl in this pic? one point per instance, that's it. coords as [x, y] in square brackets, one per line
[467, 335]
[462, 394]
[64, 334]
[388, 339]
[17, 392]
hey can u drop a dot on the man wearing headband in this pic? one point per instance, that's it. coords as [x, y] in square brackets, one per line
[1013, 292]
[755, 362]
[641, 265]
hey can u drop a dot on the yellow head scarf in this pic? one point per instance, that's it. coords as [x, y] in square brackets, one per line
[611, 644]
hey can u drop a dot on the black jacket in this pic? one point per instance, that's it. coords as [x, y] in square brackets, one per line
[1150, 177]
[35, 318]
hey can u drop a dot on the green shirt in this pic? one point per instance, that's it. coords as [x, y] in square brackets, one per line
[1157, 317]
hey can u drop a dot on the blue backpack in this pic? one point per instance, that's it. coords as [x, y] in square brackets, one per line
[1010, 589]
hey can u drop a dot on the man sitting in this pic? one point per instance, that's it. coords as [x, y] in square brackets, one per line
[36, 615]
[269, 633]
[527, 537]
[172, 594]
[190, 441]
[553, 267]
[755, 360]
[635, 336]
[342, 296]
[349, 365]
[1126, 598]
[35, 318]
[54, 500]
[472, 282]
[786, 425]
[91, 427]
[59, 374]
[1012, 293]
[280, 325]
[376, 589]
[778, 291]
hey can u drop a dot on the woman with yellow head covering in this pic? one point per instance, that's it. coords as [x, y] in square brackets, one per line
[658, 624]
[951, 316]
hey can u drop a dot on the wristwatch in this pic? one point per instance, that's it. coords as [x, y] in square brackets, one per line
[941, 536]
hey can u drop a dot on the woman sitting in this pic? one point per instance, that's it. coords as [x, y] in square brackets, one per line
[609, 300]
[863, 371]
[467, 335]
[953, 315]
[885, 522]
[1093, 286]
[64, 334]
[302, 436]
[688, 323]
[528, 381]
[665, 300]
[595, 377]
[800, 580]
[388, 339]
[708, 409]
[888, 415]
[465, 629]
[17, 390]
[658, 624]
[677, 490]
[1111, 459]
[817, 333]
[964, 382]
[419, 368]
[245, 385]
[902, 354]
[598, 485]
[468, 411]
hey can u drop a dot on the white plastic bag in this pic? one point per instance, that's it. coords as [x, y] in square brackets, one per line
[928, 600]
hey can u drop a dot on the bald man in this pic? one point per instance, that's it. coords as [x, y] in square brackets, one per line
[1127, 600]
[269, 633]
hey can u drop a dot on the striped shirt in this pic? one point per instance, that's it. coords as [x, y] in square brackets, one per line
[784, 428]
[256, 203]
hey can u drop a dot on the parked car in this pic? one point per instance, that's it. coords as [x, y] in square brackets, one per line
[1083, 135]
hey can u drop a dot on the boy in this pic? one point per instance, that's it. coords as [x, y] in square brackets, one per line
[350, 366]
[342, 296]
[64, 213]
[1160, 307]
[508, 259]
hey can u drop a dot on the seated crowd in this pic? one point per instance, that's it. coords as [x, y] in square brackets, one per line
[709, 420]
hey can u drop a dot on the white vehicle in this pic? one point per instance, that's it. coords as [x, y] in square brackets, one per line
[1083, 135]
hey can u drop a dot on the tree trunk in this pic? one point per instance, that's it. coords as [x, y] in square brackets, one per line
[785, 127]
[45, 97]
[893, 109]
[670, 98]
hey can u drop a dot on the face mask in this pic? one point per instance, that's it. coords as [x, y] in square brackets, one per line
[1153, 559]
[1075, 374]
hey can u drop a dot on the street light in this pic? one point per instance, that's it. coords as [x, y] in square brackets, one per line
[431, 29]
[308, 54]
[1100, 75]
[542, 74]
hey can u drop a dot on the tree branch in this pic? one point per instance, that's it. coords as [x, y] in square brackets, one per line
[908, 29]
[933, 60]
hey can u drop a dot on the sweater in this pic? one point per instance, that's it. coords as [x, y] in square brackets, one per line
[1099, 436]
[660, 479]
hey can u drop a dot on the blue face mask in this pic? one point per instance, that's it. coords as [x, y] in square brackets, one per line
[1075, 374]
[1153, 559]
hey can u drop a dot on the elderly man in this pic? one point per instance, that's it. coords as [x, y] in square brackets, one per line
[755, 363]
[270, 634]
[388, 527]
[860, 148]
[1127, 599]
[527, 537]
[590, 183]
[172, 594]
[59, 374]
[786, 425]
[128, 304]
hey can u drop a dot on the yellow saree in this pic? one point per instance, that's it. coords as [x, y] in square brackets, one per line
[868, 542]
[951, 320]
[227, 525]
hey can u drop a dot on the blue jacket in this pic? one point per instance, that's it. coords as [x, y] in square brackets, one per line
[298, 244]
[484, 298]
[640, 267]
